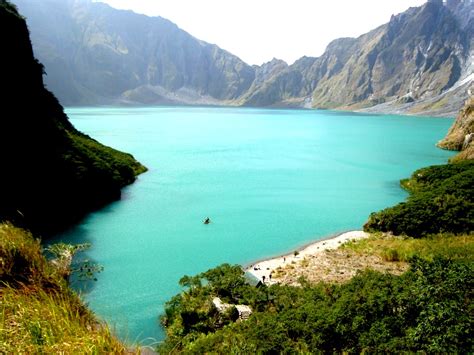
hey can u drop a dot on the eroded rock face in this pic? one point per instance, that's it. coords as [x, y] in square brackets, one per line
[96, 54]
[420, 63]
[461, 134]
[468, 138]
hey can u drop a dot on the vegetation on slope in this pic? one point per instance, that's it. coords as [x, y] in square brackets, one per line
[52, 174]
[441, 200]
[428, 308]
[39, 313]
[395, 248]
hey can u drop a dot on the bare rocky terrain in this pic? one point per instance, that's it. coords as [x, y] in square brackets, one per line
[419, 63]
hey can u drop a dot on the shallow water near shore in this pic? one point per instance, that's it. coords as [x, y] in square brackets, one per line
[270, 181]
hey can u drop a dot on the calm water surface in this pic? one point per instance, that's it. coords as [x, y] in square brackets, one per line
[270, 180]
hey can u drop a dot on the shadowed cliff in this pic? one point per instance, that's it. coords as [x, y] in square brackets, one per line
[52, 174]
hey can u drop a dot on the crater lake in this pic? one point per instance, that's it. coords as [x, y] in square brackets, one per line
[270, 181]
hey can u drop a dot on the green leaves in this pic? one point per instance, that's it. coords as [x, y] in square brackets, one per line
[442, 200]
[443, 292]
[426, 309]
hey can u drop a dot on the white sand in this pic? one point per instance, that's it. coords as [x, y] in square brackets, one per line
[266, 267]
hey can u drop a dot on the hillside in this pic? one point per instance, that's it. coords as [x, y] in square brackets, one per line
[40, 314]
[420, 62]
[52, 174]
[95, 54]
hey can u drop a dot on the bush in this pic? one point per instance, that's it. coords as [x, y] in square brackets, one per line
[442, 200]
[390, 255]
[427, 309]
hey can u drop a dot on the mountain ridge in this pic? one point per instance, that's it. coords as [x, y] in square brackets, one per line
[419, 63]
[353, 73]
[118, 51]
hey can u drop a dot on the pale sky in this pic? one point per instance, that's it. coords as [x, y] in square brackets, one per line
[259, 30]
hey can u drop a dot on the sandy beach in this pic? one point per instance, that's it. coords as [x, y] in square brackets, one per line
[264, 269]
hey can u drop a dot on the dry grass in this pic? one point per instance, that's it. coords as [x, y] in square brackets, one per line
[380, 252]
[34, 321]
[335, 266]
[391, 248]
[38, 311]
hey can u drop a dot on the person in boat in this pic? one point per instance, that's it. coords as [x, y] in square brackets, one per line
[207, 221]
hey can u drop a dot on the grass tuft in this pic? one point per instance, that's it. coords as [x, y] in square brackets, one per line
[39, 313]
[391, 248]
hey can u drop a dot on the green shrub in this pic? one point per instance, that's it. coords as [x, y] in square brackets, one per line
[390, 255]
[427, 309]
[442, 200]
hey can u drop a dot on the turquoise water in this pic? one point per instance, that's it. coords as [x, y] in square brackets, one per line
[270, 180]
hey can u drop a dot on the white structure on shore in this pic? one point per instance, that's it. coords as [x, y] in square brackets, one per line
[244, 310]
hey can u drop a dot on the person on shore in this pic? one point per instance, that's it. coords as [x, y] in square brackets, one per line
[263, 278]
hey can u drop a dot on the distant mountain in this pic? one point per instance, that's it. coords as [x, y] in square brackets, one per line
[96, 54]
[52, 174]
[421, 62]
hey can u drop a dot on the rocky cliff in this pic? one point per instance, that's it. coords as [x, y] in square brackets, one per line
[96, 54]
[51, 173]
[461, 135]
[421, 62]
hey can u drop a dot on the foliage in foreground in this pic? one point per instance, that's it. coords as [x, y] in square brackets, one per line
[38, 311]
[441, 200]
[428, 309]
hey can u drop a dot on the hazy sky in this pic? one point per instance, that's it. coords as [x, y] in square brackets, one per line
[258, 30]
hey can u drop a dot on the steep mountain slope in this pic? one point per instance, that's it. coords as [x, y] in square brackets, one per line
[51, 173]
[96, 54]
[420, 62]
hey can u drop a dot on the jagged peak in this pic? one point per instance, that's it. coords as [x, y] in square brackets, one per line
[276, 61]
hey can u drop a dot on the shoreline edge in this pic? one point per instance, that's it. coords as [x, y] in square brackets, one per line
[262, 269]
